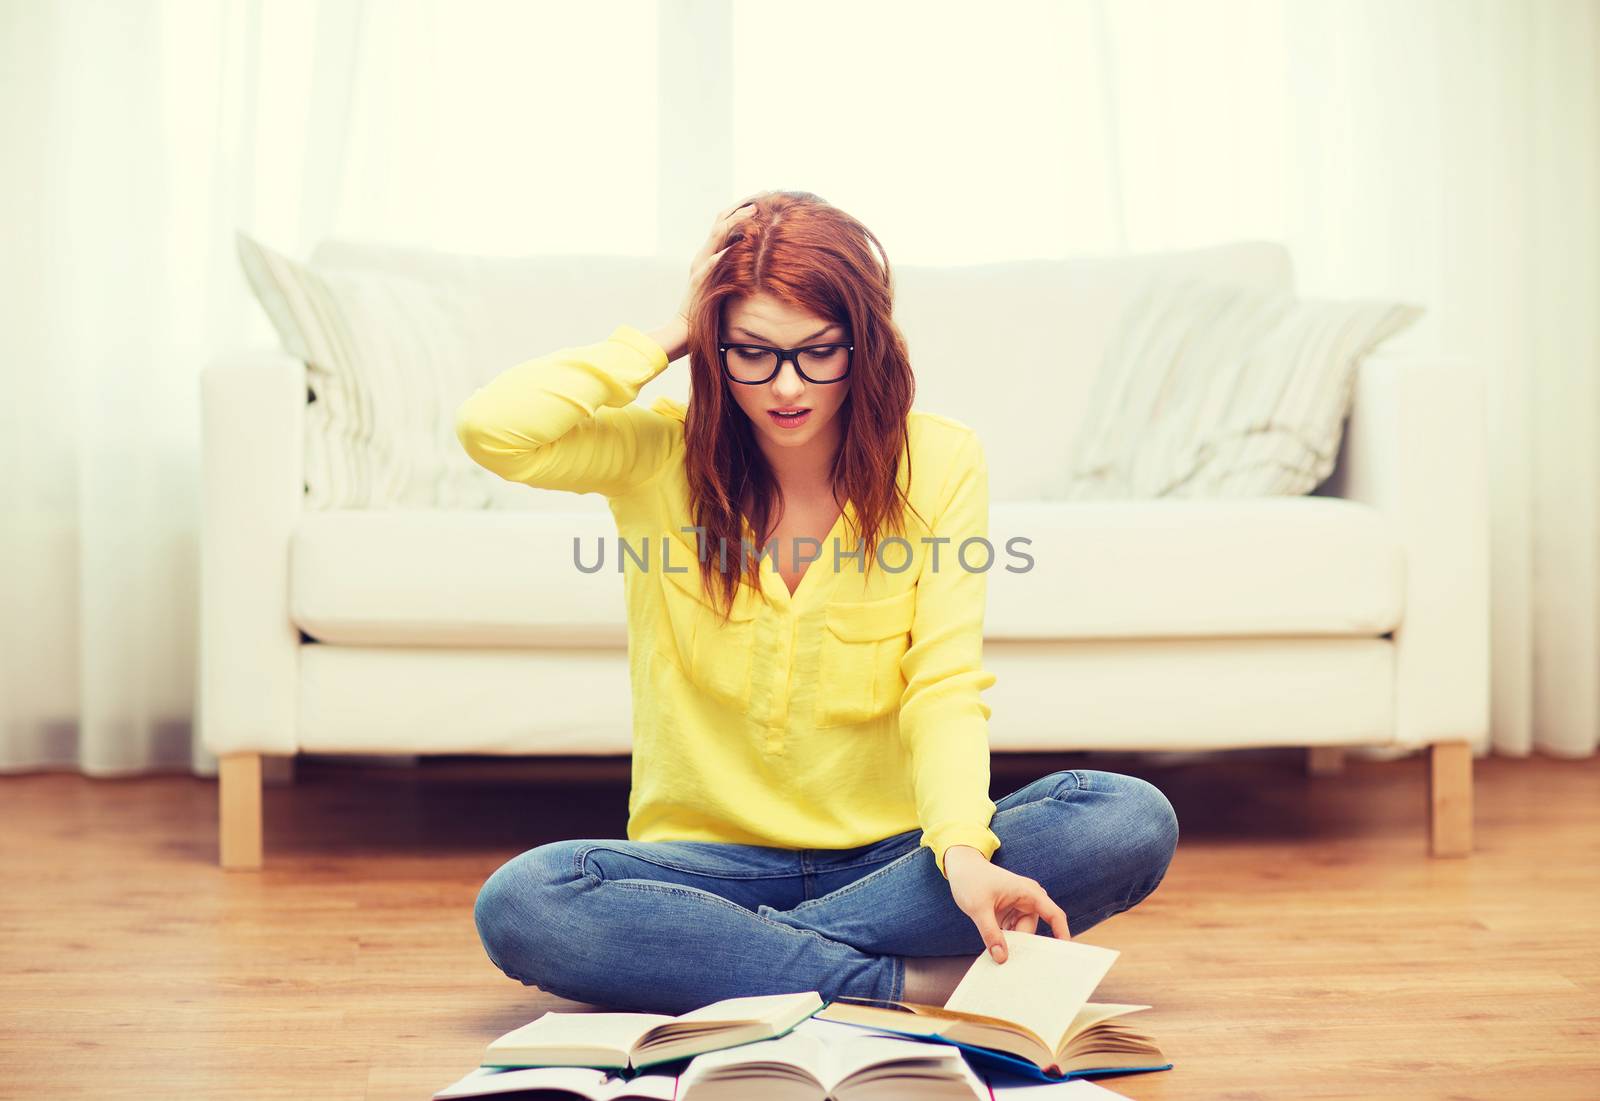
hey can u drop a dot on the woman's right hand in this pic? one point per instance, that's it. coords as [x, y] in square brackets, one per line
[710, 252]
[674, 335]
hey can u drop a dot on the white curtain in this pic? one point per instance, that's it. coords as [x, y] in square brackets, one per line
[1444, 151]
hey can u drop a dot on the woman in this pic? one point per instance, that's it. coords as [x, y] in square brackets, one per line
[810, 806]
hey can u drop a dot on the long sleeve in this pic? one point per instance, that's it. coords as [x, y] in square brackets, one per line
[943, 719]
[567, 420]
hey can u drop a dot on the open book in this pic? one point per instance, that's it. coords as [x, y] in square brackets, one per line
[635, 1040]
[814, 1060]
[1031, 1013]
[568, 1083]
[820, 1060]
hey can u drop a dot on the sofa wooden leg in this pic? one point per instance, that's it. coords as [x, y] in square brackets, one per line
[1450, 798]
[239, 810]
[1324, 760]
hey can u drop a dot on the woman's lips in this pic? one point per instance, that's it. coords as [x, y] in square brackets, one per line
[789, 422]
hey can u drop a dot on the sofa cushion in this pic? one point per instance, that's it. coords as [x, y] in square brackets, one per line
[468, 578]
[388, 358]
[1256, 567]
[1219, 390]
[1300, 566]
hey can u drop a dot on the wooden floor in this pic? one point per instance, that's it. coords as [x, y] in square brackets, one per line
[1303, 945]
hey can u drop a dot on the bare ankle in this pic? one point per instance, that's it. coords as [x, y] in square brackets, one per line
[931, 979]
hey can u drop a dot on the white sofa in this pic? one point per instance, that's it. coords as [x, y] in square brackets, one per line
[1356, 616]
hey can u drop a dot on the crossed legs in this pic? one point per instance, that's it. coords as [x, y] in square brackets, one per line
[668, 926]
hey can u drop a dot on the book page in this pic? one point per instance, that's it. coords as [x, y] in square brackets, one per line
[776, 1010]
[723, 1024]
[795, 1048]
[880, 1017]
[848, 1050]
[1042, 985]
[1023, 1089]
[1094, 1012]
[829, 1053]
[966, 1028]
[581, 1081]
[581, 1031]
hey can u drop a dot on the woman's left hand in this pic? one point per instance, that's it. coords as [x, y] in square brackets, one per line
[996, 899]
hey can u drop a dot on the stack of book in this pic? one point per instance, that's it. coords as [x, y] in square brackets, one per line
[1007, 1027]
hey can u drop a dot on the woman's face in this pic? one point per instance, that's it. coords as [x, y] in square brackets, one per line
[762, 319]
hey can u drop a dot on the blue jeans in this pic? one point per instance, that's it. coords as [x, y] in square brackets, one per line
[668, 926]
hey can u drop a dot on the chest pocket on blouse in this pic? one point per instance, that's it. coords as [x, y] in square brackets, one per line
[711, 654]
[859, 662]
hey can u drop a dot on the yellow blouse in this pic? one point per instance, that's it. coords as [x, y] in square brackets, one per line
[829, 719]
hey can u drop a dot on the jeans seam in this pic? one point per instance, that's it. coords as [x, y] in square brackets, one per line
[648, 886]
[824, 870]
[1135, 898]
[1079, 782]
[1095, 917]
[854, 885]
[582, 854]
[850, 867]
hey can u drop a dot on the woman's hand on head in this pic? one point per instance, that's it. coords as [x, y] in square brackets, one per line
[710, 252]
[996, 899]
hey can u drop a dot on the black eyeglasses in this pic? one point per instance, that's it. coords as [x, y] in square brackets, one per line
[754, 364]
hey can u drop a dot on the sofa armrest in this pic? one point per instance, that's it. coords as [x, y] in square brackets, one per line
[1415, 448]
[252, 438]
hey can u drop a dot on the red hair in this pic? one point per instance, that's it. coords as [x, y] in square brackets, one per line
[813, 257]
